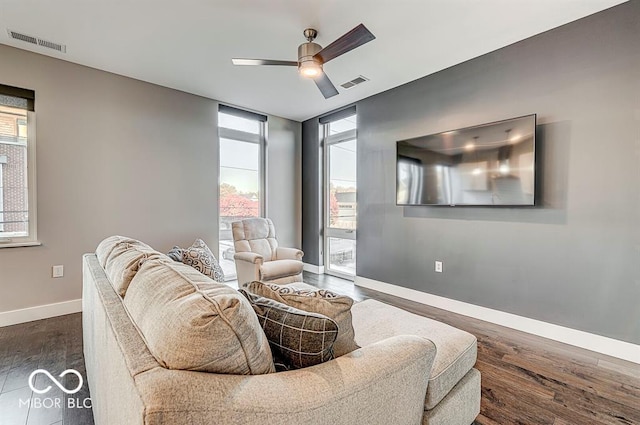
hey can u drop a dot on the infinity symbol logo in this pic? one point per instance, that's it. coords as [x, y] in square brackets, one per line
[55, 381]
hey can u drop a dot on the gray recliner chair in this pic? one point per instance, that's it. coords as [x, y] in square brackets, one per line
[258, 256]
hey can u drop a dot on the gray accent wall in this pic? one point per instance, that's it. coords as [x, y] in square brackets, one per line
[574, 260]
[120, 156]
[312, 197]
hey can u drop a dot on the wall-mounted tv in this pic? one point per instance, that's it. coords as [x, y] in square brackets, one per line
[485, 165]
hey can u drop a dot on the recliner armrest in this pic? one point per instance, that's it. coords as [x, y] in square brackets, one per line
[249, 257]
[288, 254]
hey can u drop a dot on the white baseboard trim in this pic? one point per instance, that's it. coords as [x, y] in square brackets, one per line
[600, 344]
[312, 268]
[13, 317]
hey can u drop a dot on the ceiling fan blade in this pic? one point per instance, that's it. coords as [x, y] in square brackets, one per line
[354, 38]
[239, 61]
[326, 86]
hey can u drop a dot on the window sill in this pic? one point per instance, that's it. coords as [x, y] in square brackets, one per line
[19, 244]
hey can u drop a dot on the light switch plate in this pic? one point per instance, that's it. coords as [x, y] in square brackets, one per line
[57, 271]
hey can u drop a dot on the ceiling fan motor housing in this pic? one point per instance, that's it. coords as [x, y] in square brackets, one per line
[306, 52]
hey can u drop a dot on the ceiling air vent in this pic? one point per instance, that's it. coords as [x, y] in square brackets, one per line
[37, 41]
[22, 37]
[358, 80]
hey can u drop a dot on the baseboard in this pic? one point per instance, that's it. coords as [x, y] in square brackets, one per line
[30, 314]
[312, 268]
[600, 344]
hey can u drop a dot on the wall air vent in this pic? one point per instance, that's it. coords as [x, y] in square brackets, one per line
[37, 41]
[358, 80]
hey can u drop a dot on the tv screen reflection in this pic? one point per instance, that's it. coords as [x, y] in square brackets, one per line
[490, 164]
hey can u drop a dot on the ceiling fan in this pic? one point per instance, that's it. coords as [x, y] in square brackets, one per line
[311, 56]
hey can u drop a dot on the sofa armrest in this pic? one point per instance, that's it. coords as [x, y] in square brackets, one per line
[382, 383]
[288, 254]
[250, 257]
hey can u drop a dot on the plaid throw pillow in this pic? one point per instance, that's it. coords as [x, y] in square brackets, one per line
[334, 306]
[299, 339]
[200, 257]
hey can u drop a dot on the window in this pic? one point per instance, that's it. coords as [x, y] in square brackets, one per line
[241, 175]
[340, 147]
[17, 167]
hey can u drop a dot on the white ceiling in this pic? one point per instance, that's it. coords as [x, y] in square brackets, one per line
[188, 45]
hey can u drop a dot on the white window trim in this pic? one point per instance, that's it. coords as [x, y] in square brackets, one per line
[258, 139]
[327, 141]
[32, 238]
[2, 163]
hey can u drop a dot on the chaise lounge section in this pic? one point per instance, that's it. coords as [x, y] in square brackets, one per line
[395, 378]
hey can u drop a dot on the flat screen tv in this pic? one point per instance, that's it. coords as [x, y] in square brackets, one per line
[486, 165]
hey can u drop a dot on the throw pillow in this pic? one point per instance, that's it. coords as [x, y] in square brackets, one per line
[297, 338]
[176, 254]
[321, 301]
[200, 257]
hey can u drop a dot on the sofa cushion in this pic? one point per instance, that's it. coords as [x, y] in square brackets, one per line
[105, 247]
[314, 300]
[298, 338]
[123, 257]
[456, 352]
[191, 322]
[280, 268]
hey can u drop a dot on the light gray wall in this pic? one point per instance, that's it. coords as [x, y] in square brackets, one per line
[575, 260]
[284, 153]
[119, 156]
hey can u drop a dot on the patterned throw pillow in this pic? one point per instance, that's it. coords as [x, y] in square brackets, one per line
[321, 301]
[200, 257]
[297, 338]
[175, 254]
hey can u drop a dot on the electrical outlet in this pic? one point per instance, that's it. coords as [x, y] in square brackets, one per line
[57, 271]
[439, 266]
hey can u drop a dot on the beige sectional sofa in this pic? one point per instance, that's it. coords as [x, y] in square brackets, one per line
[139, 375]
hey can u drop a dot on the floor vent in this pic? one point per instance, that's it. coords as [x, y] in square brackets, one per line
[358, 80]
[37, 41]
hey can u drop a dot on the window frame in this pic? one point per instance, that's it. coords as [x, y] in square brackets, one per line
[259, 139]
[32, 208]
[328, 139]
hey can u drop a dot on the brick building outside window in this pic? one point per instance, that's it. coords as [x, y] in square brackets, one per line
[17, 167]
[14, 200]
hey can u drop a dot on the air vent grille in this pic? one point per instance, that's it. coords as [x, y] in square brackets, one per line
[52, 45]
[358, 80]
[23, 37]
[37, 41]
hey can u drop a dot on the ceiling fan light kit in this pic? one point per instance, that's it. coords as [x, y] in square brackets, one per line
[311, 56]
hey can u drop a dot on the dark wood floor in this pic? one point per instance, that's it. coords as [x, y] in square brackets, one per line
[55, 345]
[530, 380]
[525, 379]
